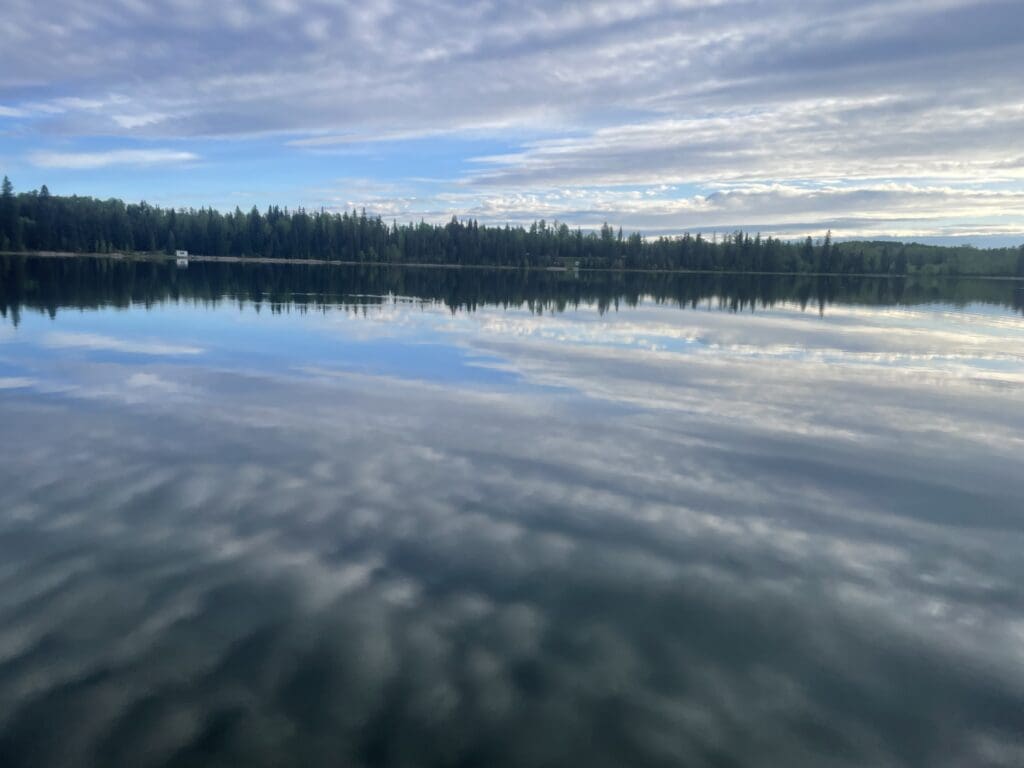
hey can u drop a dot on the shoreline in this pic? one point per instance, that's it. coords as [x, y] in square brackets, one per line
[162, 257]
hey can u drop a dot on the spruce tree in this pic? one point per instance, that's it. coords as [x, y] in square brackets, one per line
[10, 236]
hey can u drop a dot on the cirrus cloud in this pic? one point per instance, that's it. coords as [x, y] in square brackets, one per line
[93, 160]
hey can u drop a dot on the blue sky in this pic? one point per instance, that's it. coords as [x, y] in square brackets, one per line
[874, 119]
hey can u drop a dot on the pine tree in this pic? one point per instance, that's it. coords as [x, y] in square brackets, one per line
[900, 265]
[10, 234]
[807, 253]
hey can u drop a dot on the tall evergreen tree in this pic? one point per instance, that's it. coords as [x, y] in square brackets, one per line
[826, 253]
[807, 253]
[10, 231]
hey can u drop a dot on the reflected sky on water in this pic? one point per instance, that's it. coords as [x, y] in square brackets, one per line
[398, 532]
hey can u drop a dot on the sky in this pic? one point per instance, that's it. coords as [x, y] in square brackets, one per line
[902, 118]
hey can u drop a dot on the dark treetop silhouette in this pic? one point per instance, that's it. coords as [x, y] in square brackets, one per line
[39, 221]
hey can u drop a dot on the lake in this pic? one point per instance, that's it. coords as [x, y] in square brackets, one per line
[271, 515]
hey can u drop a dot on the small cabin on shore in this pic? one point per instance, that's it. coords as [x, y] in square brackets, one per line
[181, 258]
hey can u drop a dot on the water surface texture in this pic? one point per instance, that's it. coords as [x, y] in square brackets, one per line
[271, 515]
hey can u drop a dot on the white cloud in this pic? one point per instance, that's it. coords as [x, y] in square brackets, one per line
[412, 66]
[92, 160]
[862, 209]
[819, 139]
[15, 382]
[138, 120]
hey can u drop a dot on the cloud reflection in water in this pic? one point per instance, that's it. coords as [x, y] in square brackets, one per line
[658, 537]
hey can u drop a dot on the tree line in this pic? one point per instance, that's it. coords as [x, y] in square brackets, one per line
[39, 221]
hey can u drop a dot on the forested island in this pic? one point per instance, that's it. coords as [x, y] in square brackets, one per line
[38, 221]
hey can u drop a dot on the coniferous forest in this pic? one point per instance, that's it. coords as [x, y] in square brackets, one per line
[39, 221]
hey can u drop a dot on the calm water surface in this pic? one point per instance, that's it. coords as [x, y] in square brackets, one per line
[268, 516]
